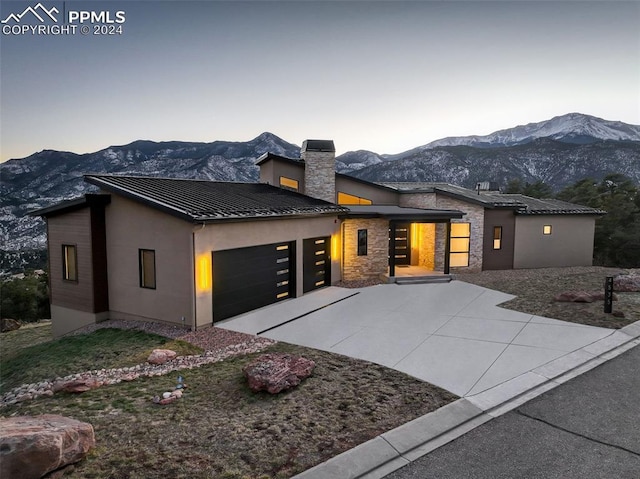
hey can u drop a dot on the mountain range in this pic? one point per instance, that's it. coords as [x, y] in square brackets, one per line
[559, 152]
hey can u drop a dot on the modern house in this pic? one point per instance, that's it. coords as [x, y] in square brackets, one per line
[194, 252]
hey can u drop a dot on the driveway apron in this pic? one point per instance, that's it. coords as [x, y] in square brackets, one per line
[452, 334]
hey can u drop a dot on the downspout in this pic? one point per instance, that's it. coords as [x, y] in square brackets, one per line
[194, 326]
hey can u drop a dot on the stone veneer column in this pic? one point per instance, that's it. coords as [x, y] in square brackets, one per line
[376, 261]
[319, 169]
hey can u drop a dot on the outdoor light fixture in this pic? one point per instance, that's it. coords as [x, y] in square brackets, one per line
[203, 273]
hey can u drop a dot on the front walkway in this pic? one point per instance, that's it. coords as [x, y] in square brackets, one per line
[452, 334]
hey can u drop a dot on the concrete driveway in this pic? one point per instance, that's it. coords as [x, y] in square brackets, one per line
[452, 334]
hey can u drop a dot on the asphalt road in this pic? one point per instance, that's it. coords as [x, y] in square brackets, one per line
[588, 427]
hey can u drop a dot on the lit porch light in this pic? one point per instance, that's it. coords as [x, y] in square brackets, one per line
[203, 273]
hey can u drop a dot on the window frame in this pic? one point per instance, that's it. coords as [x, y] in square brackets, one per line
[467, 252]
[66, 270]
[288, 187]
[141, 268]
[498, 238]
[349, 199]
[362, 242]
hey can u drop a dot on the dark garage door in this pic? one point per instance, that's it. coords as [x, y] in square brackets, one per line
[248, 278]
[316, 263]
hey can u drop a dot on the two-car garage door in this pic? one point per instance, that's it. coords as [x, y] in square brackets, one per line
[249, 278]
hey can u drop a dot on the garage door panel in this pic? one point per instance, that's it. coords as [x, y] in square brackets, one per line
[317, 263]
[249, 278]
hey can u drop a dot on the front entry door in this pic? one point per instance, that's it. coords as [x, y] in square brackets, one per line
[402, 252]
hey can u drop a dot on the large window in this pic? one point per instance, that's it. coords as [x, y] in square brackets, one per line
[459, 244]
[147, 268]
[497, 237]
[69, 263]
[289, 183]
[347, 199]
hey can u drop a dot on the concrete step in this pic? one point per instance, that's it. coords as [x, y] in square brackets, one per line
[445, 278]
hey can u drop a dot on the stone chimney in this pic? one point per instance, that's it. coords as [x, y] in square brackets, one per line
[319, 169]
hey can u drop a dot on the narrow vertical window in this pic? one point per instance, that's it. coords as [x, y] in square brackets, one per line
[147, 268]
[546, 230]
[460, 242]
[69, 263]
[362, 242]
[497, 237]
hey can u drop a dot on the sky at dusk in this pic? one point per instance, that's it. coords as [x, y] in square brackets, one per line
[380, 76]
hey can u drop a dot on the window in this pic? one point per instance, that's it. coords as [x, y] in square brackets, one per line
[497, 237]
[347, 199]
[147, 268]
[289, 183]
[459, 244]
[69, 263]
[546, 230]
[362, 242]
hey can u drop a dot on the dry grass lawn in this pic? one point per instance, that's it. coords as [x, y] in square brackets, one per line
[536, 288]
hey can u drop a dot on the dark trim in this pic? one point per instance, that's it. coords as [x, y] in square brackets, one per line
[270, 156]
[447, 249]
[99, 262]
[392, 249]
[88, 200]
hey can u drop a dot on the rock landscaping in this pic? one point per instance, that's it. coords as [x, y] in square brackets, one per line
[33, 446]
[627, 282]
[7, 324]
[277, 372]
[87, 380]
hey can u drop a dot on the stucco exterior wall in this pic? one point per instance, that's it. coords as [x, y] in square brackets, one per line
[219, 237]
[496, 259]
[271, 171]
[66, 320]
[377, 195]
[130, 227]
[376, 262]
[569, 244]
[73, 228]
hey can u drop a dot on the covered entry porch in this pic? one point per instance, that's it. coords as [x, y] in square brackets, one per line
[393, 242]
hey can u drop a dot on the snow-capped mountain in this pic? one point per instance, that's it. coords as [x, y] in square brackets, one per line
[559, 152]
[48, 177]
[569, 128]
[553, 162]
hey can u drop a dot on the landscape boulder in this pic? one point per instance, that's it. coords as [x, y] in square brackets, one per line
[574, 297]
[276, 372]
[161, 356]
[32, 446]
[7, 325]
[627, 283]
[582, 296]
[79, 385]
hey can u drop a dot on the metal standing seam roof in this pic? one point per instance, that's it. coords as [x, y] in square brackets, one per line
[521, 204]
[202, 200]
